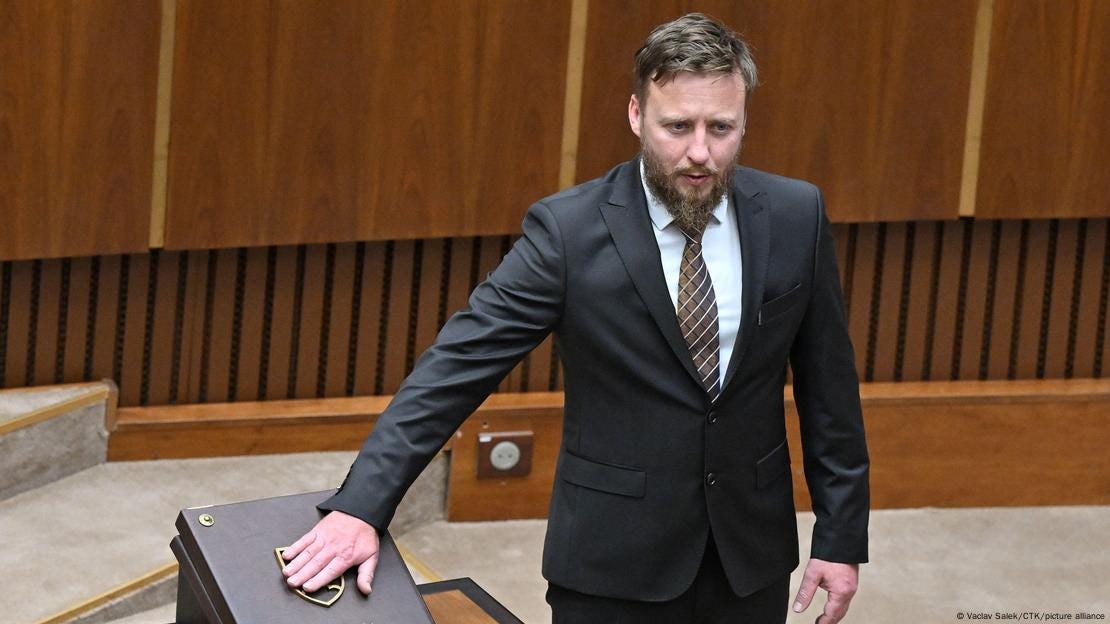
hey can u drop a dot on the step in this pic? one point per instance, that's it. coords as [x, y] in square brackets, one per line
[49, 432]
[78, 544]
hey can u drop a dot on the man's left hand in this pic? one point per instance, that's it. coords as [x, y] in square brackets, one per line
[839, 579]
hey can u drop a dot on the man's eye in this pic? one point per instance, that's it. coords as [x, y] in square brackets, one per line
[722, 128]
[678, 127]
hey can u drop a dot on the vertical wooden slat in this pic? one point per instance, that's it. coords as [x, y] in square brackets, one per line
[948, 283]
[861, 282]
[104, 332]
[19, 319]
[237, 303]
[1059, 319]
[1102, 353]
[975, 302]
[366, 373]
[1003, 311]
[427, 323]
[162, 338]
[312, 308]
[128, 361]
[5, 315]
[250, 334]
[220, 330]
[462, 257]
[62, 327]
[46, 345]
[1049, 294]
[1031, 301]
[77, 313]
[413, 318]
[392, 349]
[966, 232]
[917, 307]
[1089, 291]
[324, 336]
[886, 315]
[285, 275]
[341, 309]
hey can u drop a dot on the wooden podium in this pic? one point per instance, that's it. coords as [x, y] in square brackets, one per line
[230, 572]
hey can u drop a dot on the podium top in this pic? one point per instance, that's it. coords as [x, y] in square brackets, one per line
[230, 554]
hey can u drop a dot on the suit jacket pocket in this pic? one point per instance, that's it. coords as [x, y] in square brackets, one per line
[770, 310]
[773, 465]
[603, 477]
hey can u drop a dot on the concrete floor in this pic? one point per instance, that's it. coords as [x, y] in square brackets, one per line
[88, 533]
[928, 565]
[85, 534]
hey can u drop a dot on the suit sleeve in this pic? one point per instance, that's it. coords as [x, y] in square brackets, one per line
[826, 392]
[508, 314]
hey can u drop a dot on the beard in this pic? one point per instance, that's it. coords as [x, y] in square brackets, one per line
[690, 209]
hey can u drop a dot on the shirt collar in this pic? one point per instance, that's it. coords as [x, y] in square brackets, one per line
[661, 217]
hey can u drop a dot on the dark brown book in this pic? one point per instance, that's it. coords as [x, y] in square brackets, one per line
[231, 572]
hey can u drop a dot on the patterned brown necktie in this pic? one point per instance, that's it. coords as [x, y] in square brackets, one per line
[697, 314]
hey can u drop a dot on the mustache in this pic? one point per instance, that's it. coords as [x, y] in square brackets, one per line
[697, 171]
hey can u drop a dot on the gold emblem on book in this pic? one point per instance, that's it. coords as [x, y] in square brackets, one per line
[316, 597]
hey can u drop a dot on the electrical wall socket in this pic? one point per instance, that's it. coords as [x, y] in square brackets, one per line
[504, 454]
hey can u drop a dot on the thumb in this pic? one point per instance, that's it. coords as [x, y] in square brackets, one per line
[366, 573]
[806, 591]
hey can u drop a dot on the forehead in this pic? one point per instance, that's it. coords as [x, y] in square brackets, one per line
[690, 93]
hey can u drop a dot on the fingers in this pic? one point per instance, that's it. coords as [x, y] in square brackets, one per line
[299, 545]
[311, 567]
[337, 543]
[366, 573]
[810, 581]
[305, 554]
[836, 607]
[332, 570]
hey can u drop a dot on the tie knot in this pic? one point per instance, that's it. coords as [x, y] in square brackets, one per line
[693, 234]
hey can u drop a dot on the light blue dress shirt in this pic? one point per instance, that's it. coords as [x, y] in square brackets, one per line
[720, 248]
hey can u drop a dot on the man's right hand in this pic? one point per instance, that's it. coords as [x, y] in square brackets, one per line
[337, 543]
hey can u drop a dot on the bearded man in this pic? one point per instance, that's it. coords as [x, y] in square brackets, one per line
[678, 287]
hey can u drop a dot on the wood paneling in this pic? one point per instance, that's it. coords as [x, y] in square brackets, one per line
[471, 498]
[856, 97]
[1046, 130]
[968, 299]
[77, 95]
[308, 122]
[931, 443]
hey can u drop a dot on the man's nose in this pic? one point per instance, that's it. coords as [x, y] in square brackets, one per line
[698, 150]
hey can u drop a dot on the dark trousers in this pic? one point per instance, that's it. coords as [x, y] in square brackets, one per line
[710, 600]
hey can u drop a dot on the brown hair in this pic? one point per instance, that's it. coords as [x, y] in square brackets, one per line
[692, 43]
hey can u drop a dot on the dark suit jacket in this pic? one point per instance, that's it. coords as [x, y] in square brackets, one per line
[633, 500]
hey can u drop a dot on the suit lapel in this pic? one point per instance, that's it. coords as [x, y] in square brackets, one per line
[755, 251]
[626, 216]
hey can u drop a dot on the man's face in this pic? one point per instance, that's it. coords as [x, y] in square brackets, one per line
[690, 131]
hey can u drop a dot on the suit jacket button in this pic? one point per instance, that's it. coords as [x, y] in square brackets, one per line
[712, 417]
[711, 479]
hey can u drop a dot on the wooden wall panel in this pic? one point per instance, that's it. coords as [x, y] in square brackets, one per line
[929, 300]
[1046, 127]
[841, 102]
[303, 123]
[1092, 267]
[76, 126]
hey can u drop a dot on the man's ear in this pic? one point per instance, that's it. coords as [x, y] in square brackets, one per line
[634, 115]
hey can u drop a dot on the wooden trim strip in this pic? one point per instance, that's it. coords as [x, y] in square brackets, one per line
[572, 102]
[97, 392]
[158, 574]
[159, 197]
[285, 411]
[430, 575]
[976, 103]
